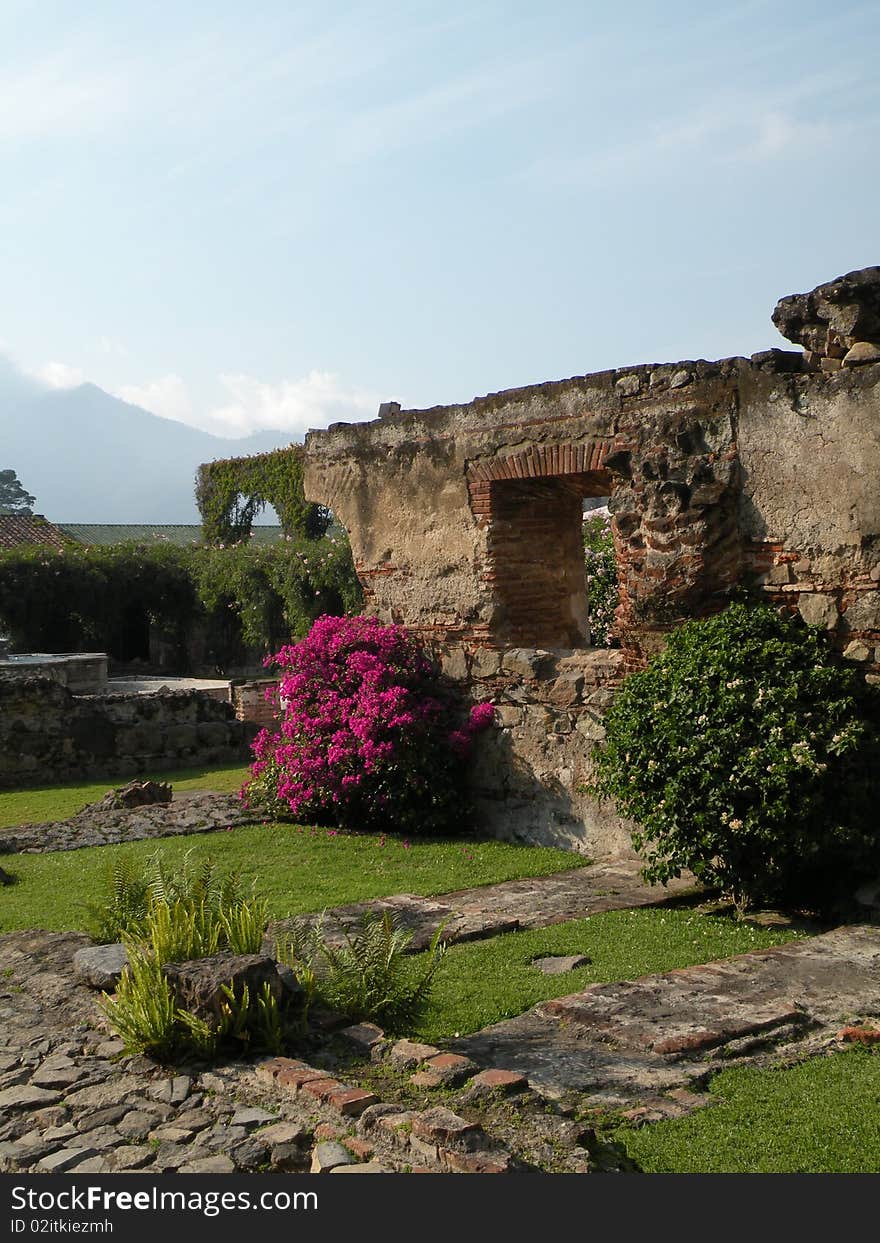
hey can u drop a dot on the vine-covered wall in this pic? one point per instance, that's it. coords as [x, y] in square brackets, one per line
[219, 601]
[231, 492]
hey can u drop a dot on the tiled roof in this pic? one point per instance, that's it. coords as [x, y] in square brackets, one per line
[152, 533]
[19, 529]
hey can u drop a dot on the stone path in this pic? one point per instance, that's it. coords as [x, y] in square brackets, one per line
[486, 911]
[70, 1102]
[199, 812]
[617, 1042]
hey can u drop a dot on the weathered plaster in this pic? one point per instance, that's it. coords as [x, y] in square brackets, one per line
[464, 523]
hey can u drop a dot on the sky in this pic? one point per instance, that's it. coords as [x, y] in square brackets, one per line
[281, 214]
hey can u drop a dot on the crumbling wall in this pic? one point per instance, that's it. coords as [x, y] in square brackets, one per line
[753, 473]
[809, 506]
[47, 734]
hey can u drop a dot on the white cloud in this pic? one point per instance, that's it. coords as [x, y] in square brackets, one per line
[779, 133]
[167, 397]
[107, 345]
[733, 129]
[248, 404]
[290, 405]
[59, 375]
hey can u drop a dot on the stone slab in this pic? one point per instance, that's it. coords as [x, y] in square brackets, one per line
[100, 966]
[655, 1033]
[560, 964]
[198, 812]
[489, 910]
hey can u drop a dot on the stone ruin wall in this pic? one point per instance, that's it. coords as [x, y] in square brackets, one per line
[49, 734]
[465, 524]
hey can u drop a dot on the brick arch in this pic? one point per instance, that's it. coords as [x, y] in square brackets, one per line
[541, 461]
[565, 461]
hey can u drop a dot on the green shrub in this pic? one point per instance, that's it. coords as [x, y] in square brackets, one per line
[748, 752]
[600, 561]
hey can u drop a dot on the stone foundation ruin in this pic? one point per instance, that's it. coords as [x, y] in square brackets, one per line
[465, 525]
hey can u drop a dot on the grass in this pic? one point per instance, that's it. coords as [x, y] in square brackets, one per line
[482, 982]
[296, 869]
[58, 802]
[818, 1117]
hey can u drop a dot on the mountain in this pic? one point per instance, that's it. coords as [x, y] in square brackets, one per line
[90, 457]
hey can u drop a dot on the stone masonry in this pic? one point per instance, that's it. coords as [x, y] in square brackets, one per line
[465, 524]
[47, 733]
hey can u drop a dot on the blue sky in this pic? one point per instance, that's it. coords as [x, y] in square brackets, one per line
[280, 214]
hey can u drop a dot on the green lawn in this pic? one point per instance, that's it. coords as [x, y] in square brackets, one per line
[482, 982]
[57, 802]
[295, 869]
[820, 1117]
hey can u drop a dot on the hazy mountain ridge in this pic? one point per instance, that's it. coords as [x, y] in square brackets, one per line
[89, 457]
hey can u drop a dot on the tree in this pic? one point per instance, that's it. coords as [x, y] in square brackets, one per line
[13, 498]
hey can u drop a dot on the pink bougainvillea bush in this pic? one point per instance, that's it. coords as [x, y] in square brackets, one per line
[368, 736]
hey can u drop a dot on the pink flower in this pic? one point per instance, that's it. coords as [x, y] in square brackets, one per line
[482, 715]
[366, 735]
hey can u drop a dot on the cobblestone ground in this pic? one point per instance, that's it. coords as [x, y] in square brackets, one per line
[70, 1101]
[515, 1097]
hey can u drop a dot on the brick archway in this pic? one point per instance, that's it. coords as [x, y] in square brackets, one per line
[539, 462]
[531, 505]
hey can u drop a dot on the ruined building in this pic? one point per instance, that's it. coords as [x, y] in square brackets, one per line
[465, 524]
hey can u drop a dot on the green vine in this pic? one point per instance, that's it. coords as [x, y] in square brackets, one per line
[231, 492]
[246, 596]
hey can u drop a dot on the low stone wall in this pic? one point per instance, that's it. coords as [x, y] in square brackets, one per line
[528, 771]
[83, 673]
[48, 734]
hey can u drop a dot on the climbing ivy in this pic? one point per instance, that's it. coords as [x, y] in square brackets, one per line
[231, 492]
[247, 596]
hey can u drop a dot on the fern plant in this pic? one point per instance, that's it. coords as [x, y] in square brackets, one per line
[180, 931]
[372, 977]
[125, 905]
[187, 912]
[195, 881]
[143, 1012]
[243, 923]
